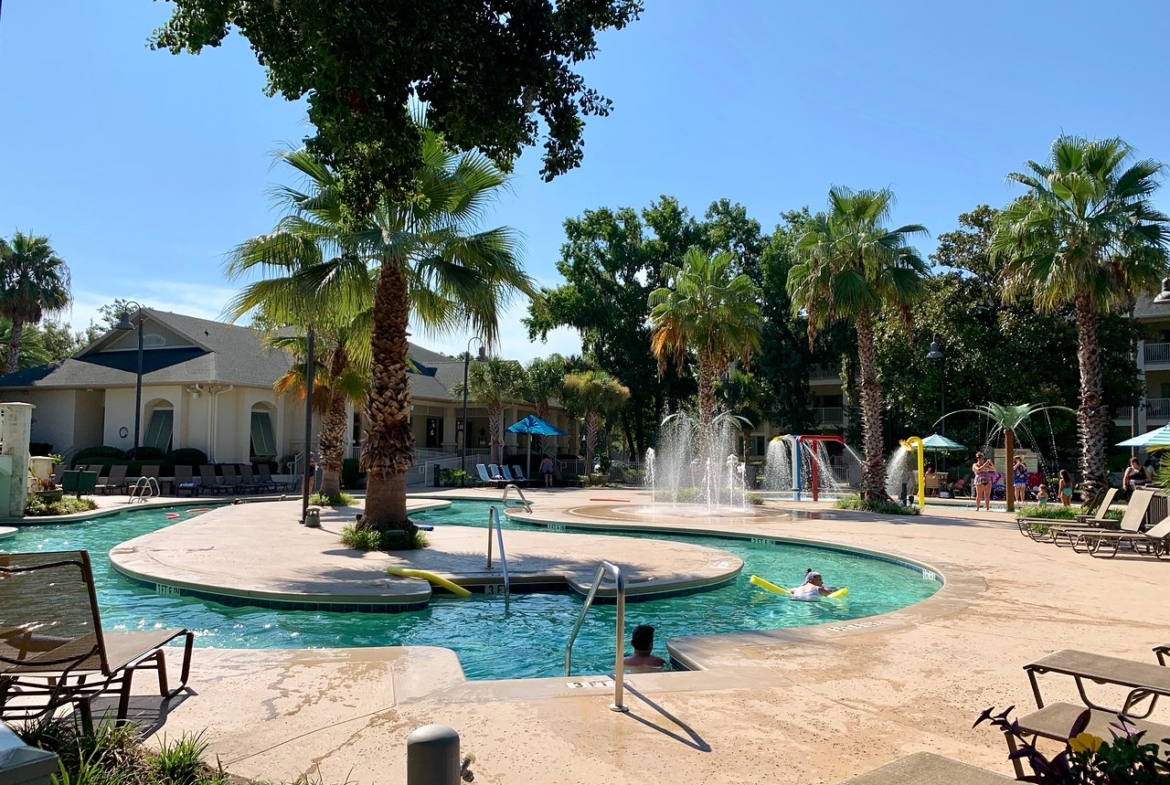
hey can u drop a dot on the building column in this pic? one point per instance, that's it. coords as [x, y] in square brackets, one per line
[451, 420]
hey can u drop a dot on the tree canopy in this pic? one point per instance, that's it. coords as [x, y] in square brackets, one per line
[498, 75]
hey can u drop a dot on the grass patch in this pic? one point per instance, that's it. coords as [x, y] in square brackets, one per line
[66, 505]
[390, 540]
[342, 499]
[885, 508]
[112, 755]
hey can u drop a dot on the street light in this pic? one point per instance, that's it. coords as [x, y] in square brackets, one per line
[124, 323]
[936, 353]
[466, 364]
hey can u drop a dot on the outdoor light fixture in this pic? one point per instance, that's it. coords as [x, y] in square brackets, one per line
[936, 354]
[466, 363]
[124, 323]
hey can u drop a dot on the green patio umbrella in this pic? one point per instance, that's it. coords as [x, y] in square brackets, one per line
[937, 443]
[1159, 437]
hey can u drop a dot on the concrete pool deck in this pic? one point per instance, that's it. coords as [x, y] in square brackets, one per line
[799, 706]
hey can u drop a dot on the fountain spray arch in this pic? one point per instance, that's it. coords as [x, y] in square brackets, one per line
[812, 440]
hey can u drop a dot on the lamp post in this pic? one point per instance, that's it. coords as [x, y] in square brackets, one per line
[124, 323]
[310, 367]
[936, 354]
[466, 364]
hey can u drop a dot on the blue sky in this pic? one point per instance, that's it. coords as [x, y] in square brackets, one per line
[144, 168]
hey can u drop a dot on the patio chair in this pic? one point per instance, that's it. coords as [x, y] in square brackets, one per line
[210, 482]
[185, 482]
[489, 479]
[116, 481]
[1156, 540]
[251, 482]
[1131, 521]
[53, 651]
[231, 479]
[266, 477]
[518, 473]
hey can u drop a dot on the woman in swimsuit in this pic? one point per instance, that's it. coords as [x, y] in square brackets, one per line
[982, 469]
[1065, 488]
[813, 587]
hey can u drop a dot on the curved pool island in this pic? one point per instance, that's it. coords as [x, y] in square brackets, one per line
[257, 554]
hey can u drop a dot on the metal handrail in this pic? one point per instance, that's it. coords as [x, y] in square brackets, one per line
[520, 493]
[494, 523]
[144, 488]
[619, 666]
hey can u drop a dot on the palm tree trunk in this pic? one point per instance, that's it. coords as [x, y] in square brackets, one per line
[1009, 457]
[873, 470]
[495, 420]
[389, 447]
[591, 423]
[1091, 418]
[15, 338]
[331, 442]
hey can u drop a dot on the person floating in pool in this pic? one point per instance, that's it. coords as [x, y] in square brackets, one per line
[813, 587]
[643, 640]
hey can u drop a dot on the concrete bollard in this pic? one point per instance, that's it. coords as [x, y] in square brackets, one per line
[313, 517]
[432, 756]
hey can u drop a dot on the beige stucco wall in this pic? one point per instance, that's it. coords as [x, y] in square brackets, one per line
[88, 420]
[52, 417]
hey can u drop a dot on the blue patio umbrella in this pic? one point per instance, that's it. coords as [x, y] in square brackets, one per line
[1159, 437]
[534, 426]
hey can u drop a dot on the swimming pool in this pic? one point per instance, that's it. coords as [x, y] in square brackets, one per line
[521, 637]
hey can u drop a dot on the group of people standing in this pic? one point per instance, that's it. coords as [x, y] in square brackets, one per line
[1136, 476]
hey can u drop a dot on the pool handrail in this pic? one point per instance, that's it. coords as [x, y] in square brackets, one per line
[494, 523]
[619, 661]
[144, 488]
[520, 493]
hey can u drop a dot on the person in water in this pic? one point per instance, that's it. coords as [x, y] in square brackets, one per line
[812, 588]
[643, 640]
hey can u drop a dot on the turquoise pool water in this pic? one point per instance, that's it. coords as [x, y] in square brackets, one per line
[495, 639]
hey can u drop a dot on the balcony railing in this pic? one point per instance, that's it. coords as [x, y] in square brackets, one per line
[821, 372]
[829, 415]
[1157, 353]
[1158, 408]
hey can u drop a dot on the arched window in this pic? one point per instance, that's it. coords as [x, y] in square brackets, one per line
[263, 437]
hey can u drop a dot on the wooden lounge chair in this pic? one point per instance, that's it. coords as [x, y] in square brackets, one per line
[1156, 540]
[925, 768]
[116, 481]
[53, 651]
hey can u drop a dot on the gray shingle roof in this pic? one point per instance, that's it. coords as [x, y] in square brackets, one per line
[1147, 308]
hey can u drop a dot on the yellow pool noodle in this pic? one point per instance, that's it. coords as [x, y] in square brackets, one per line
[454, 588]
[763, 584]
[838, 594]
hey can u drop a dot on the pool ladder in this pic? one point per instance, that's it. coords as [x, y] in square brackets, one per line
[619, 665]
[512, 487]
[494, 523]
[143, 489]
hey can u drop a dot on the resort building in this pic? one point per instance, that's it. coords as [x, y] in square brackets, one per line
[209, 385]
[1153, 360]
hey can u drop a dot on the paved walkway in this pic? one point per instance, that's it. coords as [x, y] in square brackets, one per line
[800, 710]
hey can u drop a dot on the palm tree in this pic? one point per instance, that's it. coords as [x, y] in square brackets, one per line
[544, 380]
[431, 263]
[705, 307]
[35, 281]
[1086, 233]
[317, 283]
[492, 384]
[1008, 420]
[849, 267]
[592, 394]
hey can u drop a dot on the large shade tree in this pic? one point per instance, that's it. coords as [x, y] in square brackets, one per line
[35, 281]
[498, 75]
[1087, 234]
[707, 308]
[849, 266]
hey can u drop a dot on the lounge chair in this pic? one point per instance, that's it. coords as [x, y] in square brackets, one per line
[249, 480]
[1091, 518]
[1131, 520]
[1162, 652]
[58, 473]
[266, 477]
[1155, 541]
[53, 651]
[185, 482]
[489, 479]
[925, 768]
[149, 470]
[519, 474]
[210, 482]
[231, 479]
[504, 470]
[1097, 517]
[116, 481]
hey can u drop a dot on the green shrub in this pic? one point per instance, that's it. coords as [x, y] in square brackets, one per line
[1055, 512]
[146, 453]
[186, 456]
[87, 455]
[392, 540]
[66, 505]
[351, 474]
[885, 508]
[453, 477]
[755, 499]
[683, 495]
[340, 500]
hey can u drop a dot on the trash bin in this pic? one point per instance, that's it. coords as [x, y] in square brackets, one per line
[313, 517]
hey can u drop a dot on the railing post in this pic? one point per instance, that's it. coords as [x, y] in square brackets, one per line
[432, 756]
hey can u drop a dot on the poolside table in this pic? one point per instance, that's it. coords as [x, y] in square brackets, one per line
[1144, 680]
